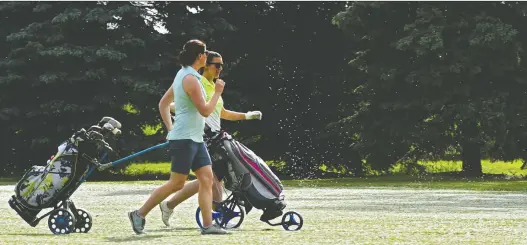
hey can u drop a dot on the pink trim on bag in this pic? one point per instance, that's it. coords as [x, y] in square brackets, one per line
[255, 166]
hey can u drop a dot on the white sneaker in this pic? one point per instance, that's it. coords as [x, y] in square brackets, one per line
[165, 213]
[214, 230]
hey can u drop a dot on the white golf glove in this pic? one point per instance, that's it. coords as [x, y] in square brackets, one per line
[253, 115]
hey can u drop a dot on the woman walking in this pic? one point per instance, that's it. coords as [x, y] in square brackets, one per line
[186, 147]
[211, 71]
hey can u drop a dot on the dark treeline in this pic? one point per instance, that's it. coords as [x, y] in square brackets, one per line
[353, 85]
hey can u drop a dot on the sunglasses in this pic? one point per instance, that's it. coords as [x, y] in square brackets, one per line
[218, 65]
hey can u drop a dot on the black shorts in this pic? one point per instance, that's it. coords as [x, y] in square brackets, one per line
[187, 154]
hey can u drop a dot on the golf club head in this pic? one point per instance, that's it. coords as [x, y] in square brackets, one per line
[79, 135]
[116, 131]
[110, 120]
[110, 128]
[95, 128]
[94, 135]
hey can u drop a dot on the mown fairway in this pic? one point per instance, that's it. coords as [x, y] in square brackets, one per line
[332, 215]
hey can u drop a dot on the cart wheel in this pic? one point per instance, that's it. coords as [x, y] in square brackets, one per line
[215, 215]
[232, 216]
[61, 221]
[292, 223]
[83, 221]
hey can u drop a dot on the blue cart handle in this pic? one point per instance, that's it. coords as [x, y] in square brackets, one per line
[102, 167]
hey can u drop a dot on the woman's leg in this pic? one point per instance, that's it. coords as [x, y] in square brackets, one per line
[174, 184]
[203, 170]
[217, 190]
[220, 171]
[189, 190]
[183, 153]
[204, 175]
[137, 218]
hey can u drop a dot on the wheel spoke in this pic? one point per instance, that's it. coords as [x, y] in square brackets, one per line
[294, 221]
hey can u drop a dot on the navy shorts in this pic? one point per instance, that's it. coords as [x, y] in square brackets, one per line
[187, 154]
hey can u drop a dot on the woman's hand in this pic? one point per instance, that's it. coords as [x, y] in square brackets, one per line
[251, 115]
[219, 86]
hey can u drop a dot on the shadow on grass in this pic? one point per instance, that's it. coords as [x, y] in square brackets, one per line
[168, 229]
[151, 236]
[127, 193]
[134, 238]
[30, 235]
[256, 230]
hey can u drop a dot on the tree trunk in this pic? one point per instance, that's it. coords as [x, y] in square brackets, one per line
[523, 149]
[524, 165]
[471, 153]
[354, 164]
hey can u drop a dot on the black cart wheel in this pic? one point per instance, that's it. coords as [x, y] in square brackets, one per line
[292, 221]
[61, 221]
[83, 221]
[232, 216]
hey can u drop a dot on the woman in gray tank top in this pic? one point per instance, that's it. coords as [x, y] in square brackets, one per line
[186, 147]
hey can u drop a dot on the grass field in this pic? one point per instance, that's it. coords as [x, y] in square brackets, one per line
[395, 209]
[500, 167]
[430, 183]
[333, 214]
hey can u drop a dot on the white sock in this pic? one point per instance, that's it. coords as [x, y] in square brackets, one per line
[165, 205]
[140, 216]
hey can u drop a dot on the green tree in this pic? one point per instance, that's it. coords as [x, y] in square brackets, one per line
[438, 71]
[12, 19]
[71, 63]
[290, 64]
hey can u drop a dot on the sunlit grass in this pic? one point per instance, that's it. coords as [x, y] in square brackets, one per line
[130, 109]
[149, 130]
[137, 169]
[331, 216]
[500, 167]
[512, 168]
